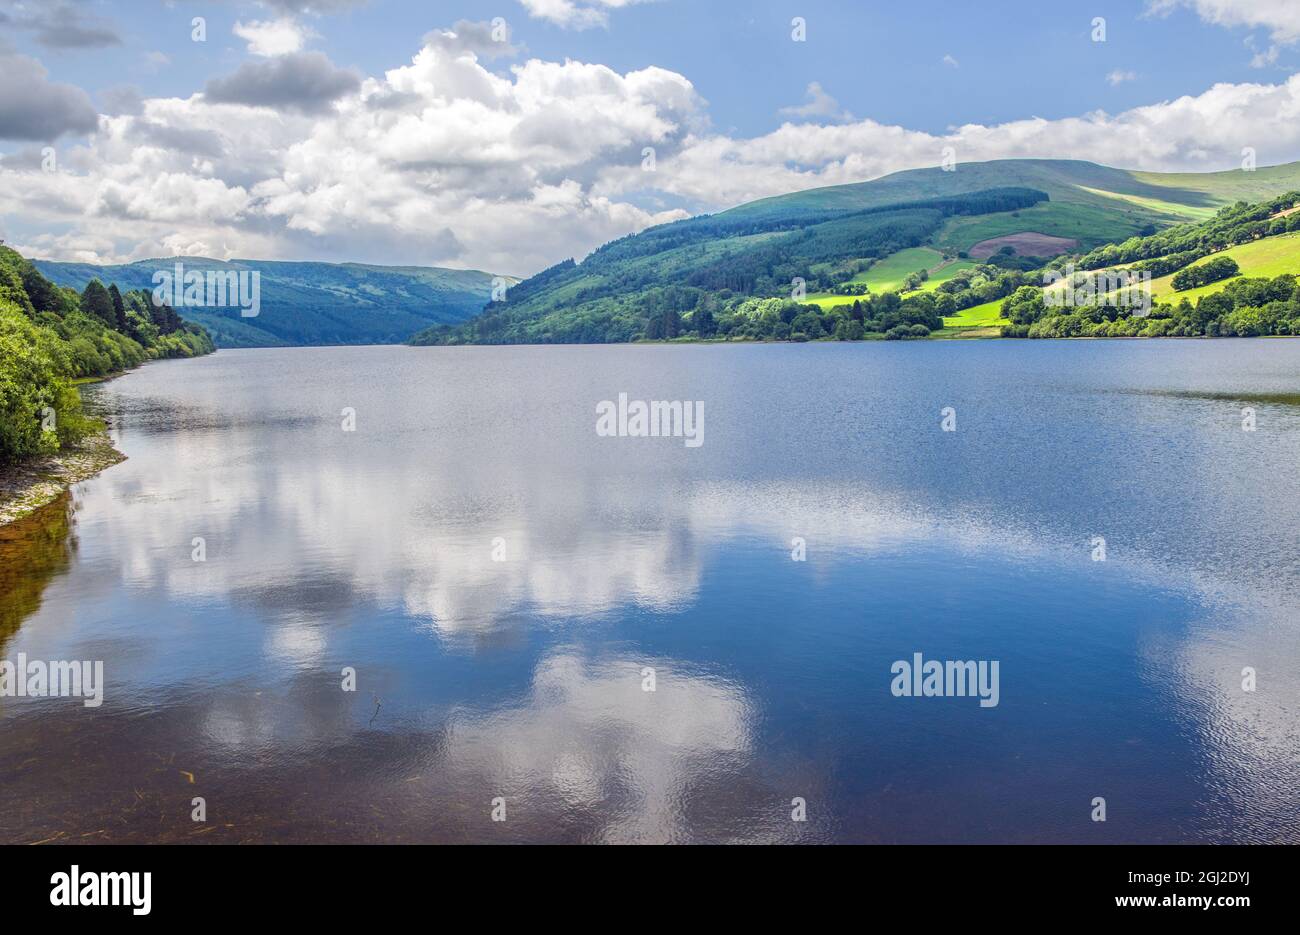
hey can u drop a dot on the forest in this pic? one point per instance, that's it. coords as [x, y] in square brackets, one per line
[721, 277]
[52, 336]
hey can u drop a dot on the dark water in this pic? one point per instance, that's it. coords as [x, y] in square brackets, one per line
[523, 679]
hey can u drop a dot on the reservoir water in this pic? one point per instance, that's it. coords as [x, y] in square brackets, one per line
[616, 639]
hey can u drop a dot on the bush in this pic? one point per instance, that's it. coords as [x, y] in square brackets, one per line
[33, 384]
[1223, 267]
[50, 335]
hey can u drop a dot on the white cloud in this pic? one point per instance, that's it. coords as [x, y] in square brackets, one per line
[436, 162]
[819, 104]
[951, 62]
[1192, 133]
[1266, 58]
[273, 37]
[444, 162]
[1119, 76]
[483, 39]
[576, 14]
[1280, 17]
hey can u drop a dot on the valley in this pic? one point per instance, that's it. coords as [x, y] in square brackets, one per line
[312, 303]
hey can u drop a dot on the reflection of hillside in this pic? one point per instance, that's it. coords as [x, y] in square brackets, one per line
[32, 551]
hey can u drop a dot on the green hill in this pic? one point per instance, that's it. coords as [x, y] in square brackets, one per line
[1063, 180]
[312, 303]
[1267, 258]
[1271, 256]
[704, 276]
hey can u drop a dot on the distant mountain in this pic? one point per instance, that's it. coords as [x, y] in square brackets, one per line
[682, 278]
[312, 303]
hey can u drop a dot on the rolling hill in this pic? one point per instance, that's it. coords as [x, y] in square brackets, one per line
[312, 303]
[681, 278]
[1265, 258]
[1092, 203]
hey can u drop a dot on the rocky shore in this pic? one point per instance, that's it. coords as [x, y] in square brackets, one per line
[30, 485]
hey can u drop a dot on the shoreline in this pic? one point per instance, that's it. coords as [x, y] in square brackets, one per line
[27, 486]
[971, 333]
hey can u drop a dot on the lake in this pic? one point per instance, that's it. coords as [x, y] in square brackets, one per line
[632, 639]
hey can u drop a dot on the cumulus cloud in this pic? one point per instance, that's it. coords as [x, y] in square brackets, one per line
[313, 6]
[307, 82]
[122, 99]
[273, 37]
[576, 14]
[482, 39]
[1192, 133]
[1280, 17]
[59, 25]
[437, 161]
[818, 104]
[443, 161]
[1119, 76]
[34, 108]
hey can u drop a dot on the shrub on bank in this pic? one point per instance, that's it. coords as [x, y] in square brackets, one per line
[40, 411]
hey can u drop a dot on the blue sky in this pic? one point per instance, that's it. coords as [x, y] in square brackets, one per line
[883, 60]
[484, 150]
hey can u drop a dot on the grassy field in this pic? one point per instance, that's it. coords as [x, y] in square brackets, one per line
[888, 273]
[1183, 212]
[1091, 225]
[1269, 257]
[1226, 187]
[948, 271]
[967, 331]
[987, 315]
[828, 300]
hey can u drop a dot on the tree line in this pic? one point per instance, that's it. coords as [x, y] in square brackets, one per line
[52, 335]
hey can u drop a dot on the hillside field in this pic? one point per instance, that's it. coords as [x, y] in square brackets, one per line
[1269, 257]
[1265, 258]
[889, 273]
[1090, 225]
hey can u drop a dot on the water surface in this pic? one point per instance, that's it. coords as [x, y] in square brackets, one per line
[523, 679]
